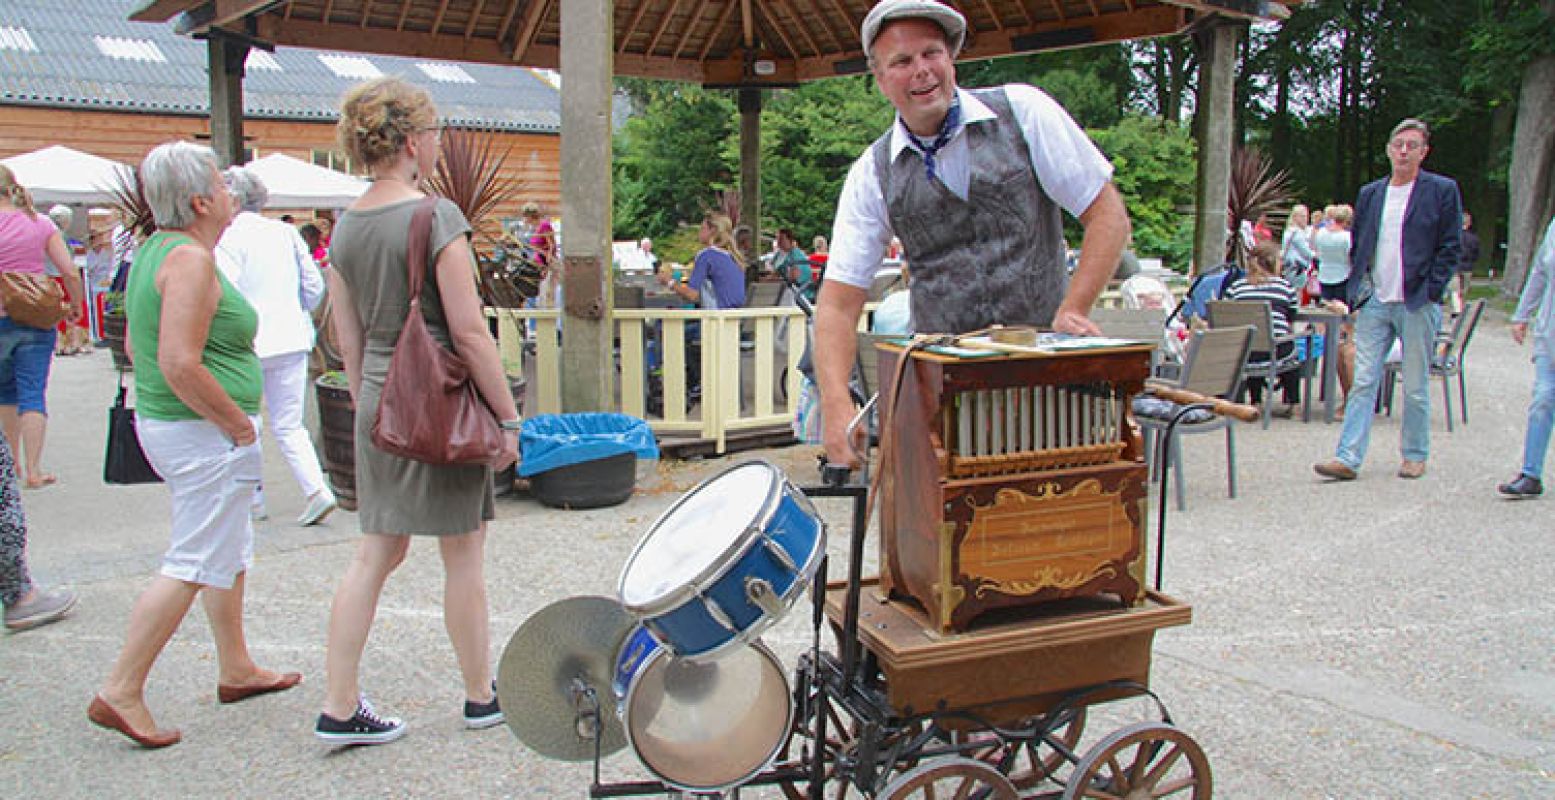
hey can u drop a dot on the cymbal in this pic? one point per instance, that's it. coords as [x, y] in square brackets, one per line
[572, 639]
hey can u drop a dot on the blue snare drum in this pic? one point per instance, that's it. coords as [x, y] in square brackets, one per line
[702, 725]
[725, 562]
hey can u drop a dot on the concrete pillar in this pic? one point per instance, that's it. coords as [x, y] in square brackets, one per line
[586, 66]
[750, 170]
[1213, 122]
[225, 59]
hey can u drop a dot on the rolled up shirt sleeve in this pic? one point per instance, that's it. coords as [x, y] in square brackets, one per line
[1068, 165]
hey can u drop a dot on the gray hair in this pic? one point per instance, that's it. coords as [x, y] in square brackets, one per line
[173, 174]
[61, 216]
[247, 189]
[1412, 124]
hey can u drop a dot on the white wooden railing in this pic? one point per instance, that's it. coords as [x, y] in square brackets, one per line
[740, 388]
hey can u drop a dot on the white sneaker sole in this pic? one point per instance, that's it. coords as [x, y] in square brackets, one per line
[361, 738]
[311, 517]
[482, 723]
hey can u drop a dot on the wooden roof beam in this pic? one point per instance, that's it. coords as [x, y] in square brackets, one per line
[469, 27]
[804, 30]
[1256, 10]
[200, 18]
[507, 19]
[631, 27]
[825, 23]
[367, 13]
[994, 15]
[437, 21]
[712, 35]
[669, 16]
[404, 14]
[532, 16]
[685, 35]
[1058, 9]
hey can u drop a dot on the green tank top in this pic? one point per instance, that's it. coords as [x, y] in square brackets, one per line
[229, 346]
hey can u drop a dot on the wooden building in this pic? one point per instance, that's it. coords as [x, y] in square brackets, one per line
[83, 75]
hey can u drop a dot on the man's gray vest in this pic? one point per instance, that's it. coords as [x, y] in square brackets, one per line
[996, 257]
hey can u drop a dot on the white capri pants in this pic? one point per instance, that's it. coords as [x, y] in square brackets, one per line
[212, 482]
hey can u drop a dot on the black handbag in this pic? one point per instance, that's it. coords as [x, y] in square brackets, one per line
[125, 463]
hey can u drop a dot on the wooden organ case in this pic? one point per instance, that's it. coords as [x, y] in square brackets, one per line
[1012, 480]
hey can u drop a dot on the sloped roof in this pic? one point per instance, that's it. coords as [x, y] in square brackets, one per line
[715, 42]
[50, 55]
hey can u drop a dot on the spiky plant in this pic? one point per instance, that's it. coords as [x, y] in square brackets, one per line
[1256, 189]
[469, 173]
[130, 202]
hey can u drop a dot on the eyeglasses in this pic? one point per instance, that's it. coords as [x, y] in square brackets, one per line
[1406, 145]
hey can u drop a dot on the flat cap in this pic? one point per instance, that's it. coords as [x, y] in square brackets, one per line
[885, 11]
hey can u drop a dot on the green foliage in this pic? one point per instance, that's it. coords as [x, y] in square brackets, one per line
[810, 137]
[1153, 163]
[671, 159]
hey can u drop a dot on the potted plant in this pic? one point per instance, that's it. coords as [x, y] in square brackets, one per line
[337, 419]
[114, 323]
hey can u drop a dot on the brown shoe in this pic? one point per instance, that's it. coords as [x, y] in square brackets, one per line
[1411, 469]
[104, 716]
[1335, 469]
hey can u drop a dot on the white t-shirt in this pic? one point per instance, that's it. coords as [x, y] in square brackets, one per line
[1067, 164]
[1387, 265]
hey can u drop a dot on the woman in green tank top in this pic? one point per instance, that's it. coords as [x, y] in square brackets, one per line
[197, 383]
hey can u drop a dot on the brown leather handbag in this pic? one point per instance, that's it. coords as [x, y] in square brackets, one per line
[430, 410]
[32, 300]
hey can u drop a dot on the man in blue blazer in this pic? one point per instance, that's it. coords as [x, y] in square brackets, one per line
[1402, 255]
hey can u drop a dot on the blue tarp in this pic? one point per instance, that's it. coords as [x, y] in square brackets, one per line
[551, 441]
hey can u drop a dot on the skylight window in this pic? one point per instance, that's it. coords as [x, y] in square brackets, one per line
[353, 68]
[16, 39]
[129, 49]
[445, 73]
[259, 59]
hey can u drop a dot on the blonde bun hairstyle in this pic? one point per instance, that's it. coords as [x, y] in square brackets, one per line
[377, 118]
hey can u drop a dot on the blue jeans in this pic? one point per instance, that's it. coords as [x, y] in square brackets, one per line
[1541, 417]
[26, 353]
[1377, 324]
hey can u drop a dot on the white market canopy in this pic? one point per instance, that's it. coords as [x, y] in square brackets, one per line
[294, 183]
[58, 174]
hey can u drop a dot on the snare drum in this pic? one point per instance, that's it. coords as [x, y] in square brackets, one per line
[725, 562]
[702, 725]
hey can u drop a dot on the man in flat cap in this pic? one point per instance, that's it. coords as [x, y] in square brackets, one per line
[972, 183]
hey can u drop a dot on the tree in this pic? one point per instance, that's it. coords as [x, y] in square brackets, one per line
[671, 158]
[1153, 163]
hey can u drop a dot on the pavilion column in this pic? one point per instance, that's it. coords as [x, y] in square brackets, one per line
[225, 59]
[750, 172]
[586, 61]
[1214, 120]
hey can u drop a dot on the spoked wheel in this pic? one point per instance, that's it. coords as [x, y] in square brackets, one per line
[1143, 761]
[1035, 760]
[841, 750]
[947, 778]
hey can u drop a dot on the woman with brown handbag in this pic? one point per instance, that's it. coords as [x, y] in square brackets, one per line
[391, 127]
[27, 350]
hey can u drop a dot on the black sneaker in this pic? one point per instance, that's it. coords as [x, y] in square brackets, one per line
[483, 715]
[1523, 486]
[364, 727]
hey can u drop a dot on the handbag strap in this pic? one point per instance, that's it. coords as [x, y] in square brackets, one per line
[416, 247]
[118, 401]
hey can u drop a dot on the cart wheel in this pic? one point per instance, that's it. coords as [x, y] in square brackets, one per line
[1034, 760]
[841, 747]
[951, 777]
[1144, 760]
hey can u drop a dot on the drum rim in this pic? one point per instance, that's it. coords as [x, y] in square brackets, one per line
[664, 651]
[704, 579]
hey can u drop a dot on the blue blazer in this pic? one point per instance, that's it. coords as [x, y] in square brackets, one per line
[1432, 221]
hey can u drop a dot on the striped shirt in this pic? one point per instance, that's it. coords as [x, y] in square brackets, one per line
[1276, 291]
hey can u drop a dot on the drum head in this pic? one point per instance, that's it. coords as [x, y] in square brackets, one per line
[696, 535]
[709, 725]
[571, 640]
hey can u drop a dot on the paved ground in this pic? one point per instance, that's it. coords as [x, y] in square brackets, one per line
[1377, 639]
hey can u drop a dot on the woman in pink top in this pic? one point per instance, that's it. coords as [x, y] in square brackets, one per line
[26, 353]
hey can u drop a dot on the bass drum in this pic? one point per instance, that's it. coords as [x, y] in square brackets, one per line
[702, 725]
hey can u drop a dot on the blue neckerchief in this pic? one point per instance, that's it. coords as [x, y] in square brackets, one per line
[946, 130]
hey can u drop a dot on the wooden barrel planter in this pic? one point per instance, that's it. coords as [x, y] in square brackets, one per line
[113, 332]
[338, 419]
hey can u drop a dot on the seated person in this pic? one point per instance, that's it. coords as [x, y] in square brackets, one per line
[1264, 282]
[718, 275]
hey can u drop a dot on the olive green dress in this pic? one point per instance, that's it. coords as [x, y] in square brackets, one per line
[398, 495]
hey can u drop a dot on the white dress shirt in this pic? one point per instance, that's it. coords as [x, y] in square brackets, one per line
[1067, 164]
[268, 262]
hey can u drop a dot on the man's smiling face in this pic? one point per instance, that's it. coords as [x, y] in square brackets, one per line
[914, 70]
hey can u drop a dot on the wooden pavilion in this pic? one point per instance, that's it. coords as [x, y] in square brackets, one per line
[745, 45]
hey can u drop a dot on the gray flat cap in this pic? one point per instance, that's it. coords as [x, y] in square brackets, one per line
[946, 17]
